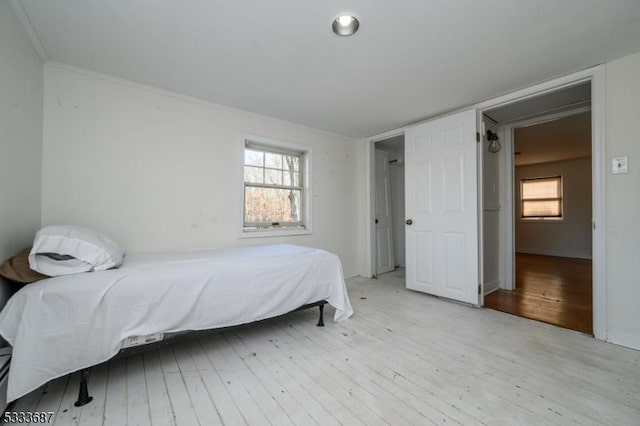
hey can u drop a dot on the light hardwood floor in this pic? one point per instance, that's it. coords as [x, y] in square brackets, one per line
[403, 358]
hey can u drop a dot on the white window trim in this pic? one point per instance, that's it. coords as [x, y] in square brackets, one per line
[306, 185]
[545, 219]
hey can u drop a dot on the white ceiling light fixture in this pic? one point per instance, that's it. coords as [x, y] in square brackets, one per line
[345, 24]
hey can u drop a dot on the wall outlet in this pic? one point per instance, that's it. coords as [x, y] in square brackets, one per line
[619, 165]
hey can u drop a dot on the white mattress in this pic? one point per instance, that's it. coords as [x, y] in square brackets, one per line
[62, 324]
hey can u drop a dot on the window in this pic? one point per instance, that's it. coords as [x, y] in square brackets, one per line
[275, 190]
[541, 198]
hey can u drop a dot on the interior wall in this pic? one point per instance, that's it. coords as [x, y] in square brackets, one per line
[491, 215]
[571, 236]
[20, 139]
[364, 211]
[622, 202]
[161, 172]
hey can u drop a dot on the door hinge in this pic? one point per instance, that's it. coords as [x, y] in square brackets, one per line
[477, 136]
[479, 288]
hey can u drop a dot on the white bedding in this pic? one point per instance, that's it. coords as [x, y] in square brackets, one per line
[62, 324]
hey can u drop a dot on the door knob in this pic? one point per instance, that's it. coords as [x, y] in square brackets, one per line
[376, 220]
[408, 222]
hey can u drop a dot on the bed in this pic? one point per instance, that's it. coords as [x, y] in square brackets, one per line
[69, 323]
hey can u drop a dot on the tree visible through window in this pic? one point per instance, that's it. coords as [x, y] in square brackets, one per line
[273, 187]
[541, 198]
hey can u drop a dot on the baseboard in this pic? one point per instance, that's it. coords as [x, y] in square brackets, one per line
[622, 339]
[556, 253]
[348, 275]
[491, 286]
[363, 274]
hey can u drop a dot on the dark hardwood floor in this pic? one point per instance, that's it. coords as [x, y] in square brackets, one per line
[555, 290]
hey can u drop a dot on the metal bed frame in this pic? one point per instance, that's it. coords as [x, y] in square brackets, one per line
[83, 392]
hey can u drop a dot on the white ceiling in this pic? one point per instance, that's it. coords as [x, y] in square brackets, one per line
[557, 140]
[410, 60]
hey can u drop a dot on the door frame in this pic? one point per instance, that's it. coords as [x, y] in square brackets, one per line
[596, 76]
[370, 196]
[509, 219]
[387, 184]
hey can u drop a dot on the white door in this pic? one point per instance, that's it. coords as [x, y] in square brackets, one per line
[441, 207]
[384, 230]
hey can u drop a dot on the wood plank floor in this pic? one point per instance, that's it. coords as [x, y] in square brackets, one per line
[555, 290]
[404, 358]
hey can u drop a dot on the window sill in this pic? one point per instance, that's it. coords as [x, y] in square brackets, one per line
[274, 233]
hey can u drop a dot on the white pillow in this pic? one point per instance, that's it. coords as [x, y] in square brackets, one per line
[85, 245]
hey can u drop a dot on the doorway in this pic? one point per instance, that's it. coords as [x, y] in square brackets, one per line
[389, 238]
[475, 278]
[549, 159]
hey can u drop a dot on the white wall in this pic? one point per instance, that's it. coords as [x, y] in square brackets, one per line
[159, 171]
[570, 237]
[623, 201]
[364, 211]
[20, 139]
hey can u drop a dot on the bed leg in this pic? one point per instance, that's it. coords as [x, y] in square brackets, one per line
[321, 321]
[83, 394]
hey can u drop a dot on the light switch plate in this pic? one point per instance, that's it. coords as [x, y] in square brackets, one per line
[619, 165]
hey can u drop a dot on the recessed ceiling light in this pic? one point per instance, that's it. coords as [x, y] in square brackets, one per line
[345, 24]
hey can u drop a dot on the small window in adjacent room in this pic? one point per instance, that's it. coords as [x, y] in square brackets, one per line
[541, 198]
[275, 189]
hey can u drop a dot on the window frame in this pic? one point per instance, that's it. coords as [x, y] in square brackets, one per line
[560, 198]
[266, 229]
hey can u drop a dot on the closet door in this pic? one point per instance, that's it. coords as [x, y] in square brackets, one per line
[441, 184]
[384, 225]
